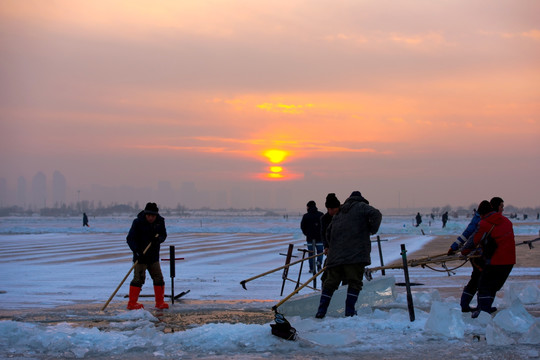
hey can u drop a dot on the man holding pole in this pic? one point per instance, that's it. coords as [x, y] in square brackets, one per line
[144, 238]
[349, 248]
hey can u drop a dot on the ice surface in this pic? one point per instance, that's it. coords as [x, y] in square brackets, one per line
[376, 292]
[533, 335]
[495, 336]
[49, 262]
[527, 294]
[445, 319]
[514, 318]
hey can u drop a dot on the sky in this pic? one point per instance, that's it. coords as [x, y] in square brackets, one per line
[274, 103]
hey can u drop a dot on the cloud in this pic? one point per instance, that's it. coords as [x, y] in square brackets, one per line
[287, 109]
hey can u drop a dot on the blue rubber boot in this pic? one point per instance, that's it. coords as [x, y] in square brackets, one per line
[350, 302]
[326, 296]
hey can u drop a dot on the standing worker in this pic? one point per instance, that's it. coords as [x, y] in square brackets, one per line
[466, 244]
[147, 228]
[85, 220]
[349, 249]
[444, 219]
[311, 228]
[499, 264]
[418, 219]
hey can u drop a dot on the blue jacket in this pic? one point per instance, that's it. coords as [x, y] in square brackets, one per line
[143, 233]
[471, 229]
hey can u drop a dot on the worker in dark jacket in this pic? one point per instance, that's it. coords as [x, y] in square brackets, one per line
[349, 248]
[311, 228]
[147, 233]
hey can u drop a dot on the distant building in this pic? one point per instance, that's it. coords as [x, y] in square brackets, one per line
[22, 192]
[59, 188]
[39, 191]
[3, 193]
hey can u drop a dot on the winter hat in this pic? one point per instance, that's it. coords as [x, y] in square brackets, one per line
[332, 201]
[358, 194]
[311, 204]
[151, 209]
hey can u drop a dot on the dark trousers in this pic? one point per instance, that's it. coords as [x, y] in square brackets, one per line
[350, 274]
[491, 280]
[472, 286]
[139, 274]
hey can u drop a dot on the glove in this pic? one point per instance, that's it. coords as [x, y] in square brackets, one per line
[450, 252]
[156, 239]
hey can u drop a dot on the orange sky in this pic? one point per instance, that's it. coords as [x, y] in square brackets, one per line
[413, 103]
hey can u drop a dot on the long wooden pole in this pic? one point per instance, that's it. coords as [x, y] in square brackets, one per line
[243, 282]
[297, 290]
[124, 279]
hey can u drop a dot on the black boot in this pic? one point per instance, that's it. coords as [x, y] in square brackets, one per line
[326, 296]
[350, 302]
[466, 299]
[484, 304]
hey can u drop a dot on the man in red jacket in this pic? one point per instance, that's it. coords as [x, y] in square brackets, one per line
[500, 264]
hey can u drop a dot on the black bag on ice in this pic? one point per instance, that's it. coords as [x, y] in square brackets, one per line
[283, 328]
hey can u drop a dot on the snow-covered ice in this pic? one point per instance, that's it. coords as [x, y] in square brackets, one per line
[52, 262]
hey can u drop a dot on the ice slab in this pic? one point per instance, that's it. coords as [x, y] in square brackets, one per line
[533, 335]
[445, 319]
[496, 336]
[526, 293]
[514, 319]
[376, 292]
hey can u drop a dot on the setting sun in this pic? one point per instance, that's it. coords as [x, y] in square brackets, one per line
[276, 156]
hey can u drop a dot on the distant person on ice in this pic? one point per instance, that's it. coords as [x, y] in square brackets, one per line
[418, 219]
[85, 220]
[349, 248]
[311, 228]
[444, 219]
[147, 228]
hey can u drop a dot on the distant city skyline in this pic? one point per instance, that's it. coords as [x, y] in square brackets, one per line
[58, 192]
[240, 103]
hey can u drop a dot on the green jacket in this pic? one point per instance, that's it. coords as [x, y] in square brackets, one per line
[349, 233]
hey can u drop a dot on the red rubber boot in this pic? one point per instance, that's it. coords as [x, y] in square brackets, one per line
[159, 294]
[134, 292]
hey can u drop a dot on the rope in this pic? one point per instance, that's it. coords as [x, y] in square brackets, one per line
[446, 269]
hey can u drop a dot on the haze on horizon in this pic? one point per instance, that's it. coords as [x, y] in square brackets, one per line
[274, 103]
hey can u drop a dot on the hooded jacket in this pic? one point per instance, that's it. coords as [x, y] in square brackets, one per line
[142, 233]
[311, 224]
[349, 233]
[503, 233]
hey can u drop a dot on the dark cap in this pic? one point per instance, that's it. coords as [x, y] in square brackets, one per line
[151, 209]
[332, 201]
